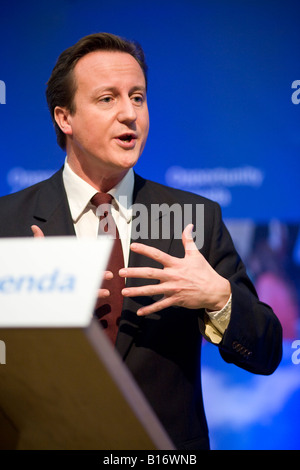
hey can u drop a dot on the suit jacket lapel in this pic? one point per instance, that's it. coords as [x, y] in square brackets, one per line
[52, 212]
[144, 195]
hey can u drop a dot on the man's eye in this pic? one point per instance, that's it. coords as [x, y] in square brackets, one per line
[138, 99]
[106, 99]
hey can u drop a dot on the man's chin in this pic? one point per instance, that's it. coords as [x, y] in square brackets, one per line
[128, 161]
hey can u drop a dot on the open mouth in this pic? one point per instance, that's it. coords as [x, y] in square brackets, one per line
[127, 140]
[127, 137]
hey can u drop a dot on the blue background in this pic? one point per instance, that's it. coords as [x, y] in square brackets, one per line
[222, 123]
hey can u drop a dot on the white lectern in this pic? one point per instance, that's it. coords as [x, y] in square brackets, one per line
[62, 385]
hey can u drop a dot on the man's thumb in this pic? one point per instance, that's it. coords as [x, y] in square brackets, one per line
[187, 240]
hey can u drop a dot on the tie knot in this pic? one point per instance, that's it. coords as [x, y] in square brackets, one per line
[101, 198]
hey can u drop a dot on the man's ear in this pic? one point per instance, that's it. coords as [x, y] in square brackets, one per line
[62, 119]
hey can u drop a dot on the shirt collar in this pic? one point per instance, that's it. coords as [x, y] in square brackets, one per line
[79, 193]
[123, 193]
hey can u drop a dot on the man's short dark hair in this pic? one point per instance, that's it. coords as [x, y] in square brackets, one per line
[61, 86]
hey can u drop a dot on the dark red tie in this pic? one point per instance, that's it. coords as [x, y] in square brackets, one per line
[109, 310]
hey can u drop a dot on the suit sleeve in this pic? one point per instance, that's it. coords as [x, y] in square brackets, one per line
[253, 338]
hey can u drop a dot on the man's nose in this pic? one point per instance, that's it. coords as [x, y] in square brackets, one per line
[127, 111]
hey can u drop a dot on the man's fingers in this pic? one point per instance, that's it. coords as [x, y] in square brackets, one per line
[165, 302]
[103, 293]
[147, 290]
[37, 232]
[144, 273]
[151, 252]
[107, 275]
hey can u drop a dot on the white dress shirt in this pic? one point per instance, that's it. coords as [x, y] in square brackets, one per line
[86, 224]
[83, 212]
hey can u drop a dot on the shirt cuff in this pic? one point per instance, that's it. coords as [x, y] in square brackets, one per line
[219, 319]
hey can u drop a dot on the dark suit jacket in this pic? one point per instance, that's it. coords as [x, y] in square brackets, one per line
[162, 350]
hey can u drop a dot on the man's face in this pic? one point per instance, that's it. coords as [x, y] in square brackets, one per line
[110, 126]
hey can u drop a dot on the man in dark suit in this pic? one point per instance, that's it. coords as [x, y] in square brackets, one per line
[178, 289]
